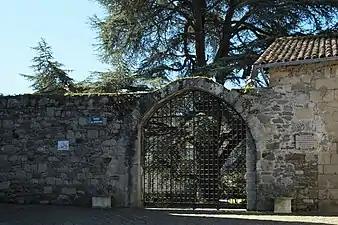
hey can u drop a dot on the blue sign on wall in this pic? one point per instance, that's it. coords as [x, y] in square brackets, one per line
[95, 120]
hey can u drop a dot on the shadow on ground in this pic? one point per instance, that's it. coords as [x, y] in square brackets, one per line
[58, 215]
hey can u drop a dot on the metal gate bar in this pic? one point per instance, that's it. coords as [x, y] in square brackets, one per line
[194, 154]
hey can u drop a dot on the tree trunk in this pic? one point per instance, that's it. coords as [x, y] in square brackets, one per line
[199, 7]
[224, 45]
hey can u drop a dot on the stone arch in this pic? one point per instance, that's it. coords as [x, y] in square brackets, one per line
[239, 102]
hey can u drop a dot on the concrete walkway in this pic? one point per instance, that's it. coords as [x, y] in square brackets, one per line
[58, 215]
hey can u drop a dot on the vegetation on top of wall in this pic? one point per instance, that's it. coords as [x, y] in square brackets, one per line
[105, 94]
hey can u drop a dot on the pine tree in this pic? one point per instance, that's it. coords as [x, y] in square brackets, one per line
[49, 75]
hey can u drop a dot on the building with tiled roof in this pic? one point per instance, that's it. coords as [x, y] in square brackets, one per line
[288, 51]
[304, 70]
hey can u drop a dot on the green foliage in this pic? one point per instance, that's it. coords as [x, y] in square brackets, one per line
[120, 79]
[50, 77]
[219, 39]
[249, 86]
[108, 82]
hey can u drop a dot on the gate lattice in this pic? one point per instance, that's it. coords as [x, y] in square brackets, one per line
[194, 149]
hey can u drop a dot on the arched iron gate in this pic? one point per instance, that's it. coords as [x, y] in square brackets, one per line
[194, 149]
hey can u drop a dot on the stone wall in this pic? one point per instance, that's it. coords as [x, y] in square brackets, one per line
[105, 158]
[309, 105]
[33, 170]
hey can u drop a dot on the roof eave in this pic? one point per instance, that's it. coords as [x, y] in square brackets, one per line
[294, 63]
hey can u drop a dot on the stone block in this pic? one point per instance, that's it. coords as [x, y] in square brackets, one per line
[311, 158]
[333, 104]
[50, 111]
[8, 149]
[70, 135]
[116, 166]
[265, 205]
[322, 194]
[304, 113]
[333, 194]
[334, 116]
[301, 98]
[58, 181]
[68, 191]
[50, 180]
[298, 86]
[333, 148]
[94, 182]
[330, 169]
[298, 157]
[251, 175]
[8, 124]
[63, 169]
[334, 159]
[120, 198]
[48, 190]
[263, 118]
[34, 181]
[63, 176]
[83, 121]
[42, 168]
[324, 158]
[92, 134]
[63, 199]
[320, 169]
[33, 168]
[116, 128]
[332, 127]
[328, 206]
[3, 159]
[328, 181]
[335, 70]
[308, 201]
[13, 158]
[5, 185]
[336, 94]
[327, 83]
[44, 202]
[53, 159]
[315, 96]
[250, 185]
[299, 172]
[20, 175]
[278, 74]
[110, 142]
[329, 96]
[101, 202]
[267, 179]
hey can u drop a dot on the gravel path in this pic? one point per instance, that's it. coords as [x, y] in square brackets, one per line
[57, 215]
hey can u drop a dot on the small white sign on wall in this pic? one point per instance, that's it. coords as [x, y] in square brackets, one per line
[63, 145]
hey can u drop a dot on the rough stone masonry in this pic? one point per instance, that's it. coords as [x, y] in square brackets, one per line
[314, 88]
[104, 157]
[33, 170]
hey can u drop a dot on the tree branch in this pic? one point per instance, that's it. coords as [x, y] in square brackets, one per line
[226, 34]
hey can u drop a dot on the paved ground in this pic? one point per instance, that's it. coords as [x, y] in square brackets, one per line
[56, 215]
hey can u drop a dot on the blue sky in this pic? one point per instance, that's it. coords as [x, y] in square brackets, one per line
[63, 24]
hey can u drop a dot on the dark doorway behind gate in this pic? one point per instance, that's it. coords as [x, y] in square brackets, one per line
[194, 152]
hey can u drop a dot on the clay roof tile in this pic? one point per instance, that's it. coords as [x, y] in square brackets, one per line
[293, 49]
